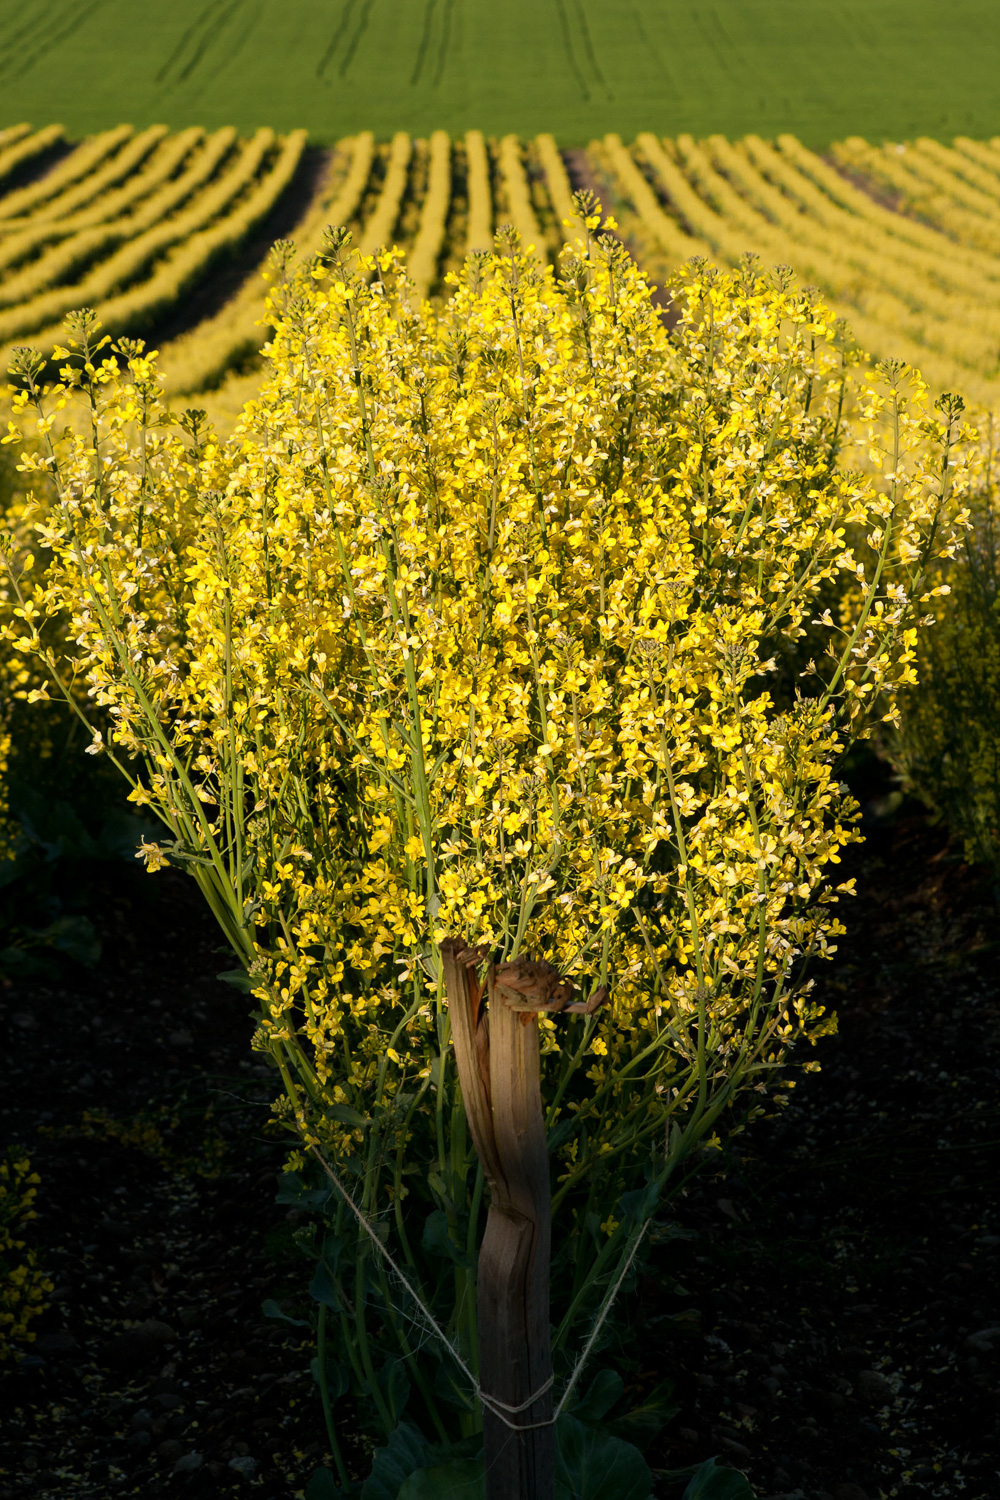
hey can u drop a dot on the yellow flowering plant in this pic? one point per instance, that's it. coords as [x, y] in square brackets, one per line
[948, 745]
[480, 627]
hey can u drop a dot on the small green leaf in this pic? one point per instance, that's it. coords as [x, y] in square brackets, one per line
[337, 1382]
[437, 1240]
[406, 1451]
[640, 1205]
[270, 1309]
[714, 1483]
[347, 1116]
[238, 978]
[643, 1423]
[591, 1464]
[292, 1190]
[323, 1486]
[394, 1384]
[561, 1133]
[453, 1387]
[323, 1289]
[605, 1389]
[461, 1479]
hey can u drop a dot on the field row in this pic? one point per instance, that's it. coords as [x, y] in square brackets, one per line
[159, 230]
[902, 240]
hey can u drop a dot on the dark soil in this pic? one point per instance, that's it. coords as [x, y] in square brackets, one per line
[154, 1364]
[840, 1335]
[838, 1331]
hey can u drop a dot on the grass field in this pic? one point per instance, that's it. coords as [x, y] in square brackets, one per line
[578, 68]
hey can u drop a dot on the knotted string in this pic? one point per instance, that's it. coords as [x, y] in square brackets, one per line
[491, 1403]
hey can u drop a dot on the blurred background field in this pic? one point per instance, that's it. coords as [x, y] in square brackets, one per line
[170, 235]
[577, 68]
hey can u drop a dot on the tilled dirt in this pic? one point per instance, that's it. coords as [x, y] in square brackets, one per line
[841, 1332]
[833, 1328]
[153, 1367]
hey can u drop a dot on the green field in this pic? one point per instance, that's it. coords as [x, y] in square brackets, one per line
[577, 68]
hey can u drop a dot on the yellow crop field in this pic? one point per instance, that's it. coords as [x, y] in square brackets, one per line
[168, 235]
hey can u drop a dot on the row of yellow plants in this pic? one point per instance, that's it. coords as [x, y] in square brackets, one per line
[11, 134]
[559, 187]
[80, 163]
[936, 192]
[876, 273]
[135, 180]
[378, 229]
[63, 195]
[241, 196]
[480, 194]
[18, 148]
[859, 222]
[881, 318]
[426, 251]
[109, 226]
[518, 208]
[942, 320]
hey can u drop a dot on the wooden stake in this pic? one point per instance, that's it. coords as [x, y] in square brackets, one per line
[498, 1068]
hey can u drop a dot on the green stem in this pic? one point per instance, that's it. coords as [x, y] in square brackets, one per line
[324, 1392]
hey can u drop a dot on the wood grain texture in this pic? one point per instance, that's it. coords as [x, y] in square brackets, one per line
[499, 1073]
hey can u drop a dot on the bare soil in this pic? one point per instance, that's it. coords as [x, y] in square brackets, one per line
[833, 1328]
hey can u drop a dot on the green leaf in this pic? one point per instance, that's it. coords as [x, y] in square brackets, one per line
[561, 1133]
[461, 1479]
[347, 1116]
[323, 1289]
[74, 936]
[591, 1464]
[238, 978]
[323, 1486]
[270, 1309]
[406, 1451]
[394, 1383]
[337, 1382]
[605, 1389]
[643, 1423]
[451, 1385]
[437, 1240]
[640, 1205]
[291, 1189]
[714, 1483]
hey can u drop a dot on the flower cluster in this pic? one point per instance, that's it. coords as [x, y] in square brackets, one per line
[489, 621]
[23, 1286]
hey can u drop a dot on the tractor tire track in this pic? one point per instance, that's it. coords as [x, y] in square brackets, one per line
[425, 41]
[355, 41]
[442, 58]
[208, 39]
[187, 35]
[37, 24]
[567, 37]
[336, 39]
[588, 46]
[53, 38]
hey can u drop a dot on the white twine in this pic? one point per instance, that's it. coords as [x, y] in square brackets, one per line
[491, 1403]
